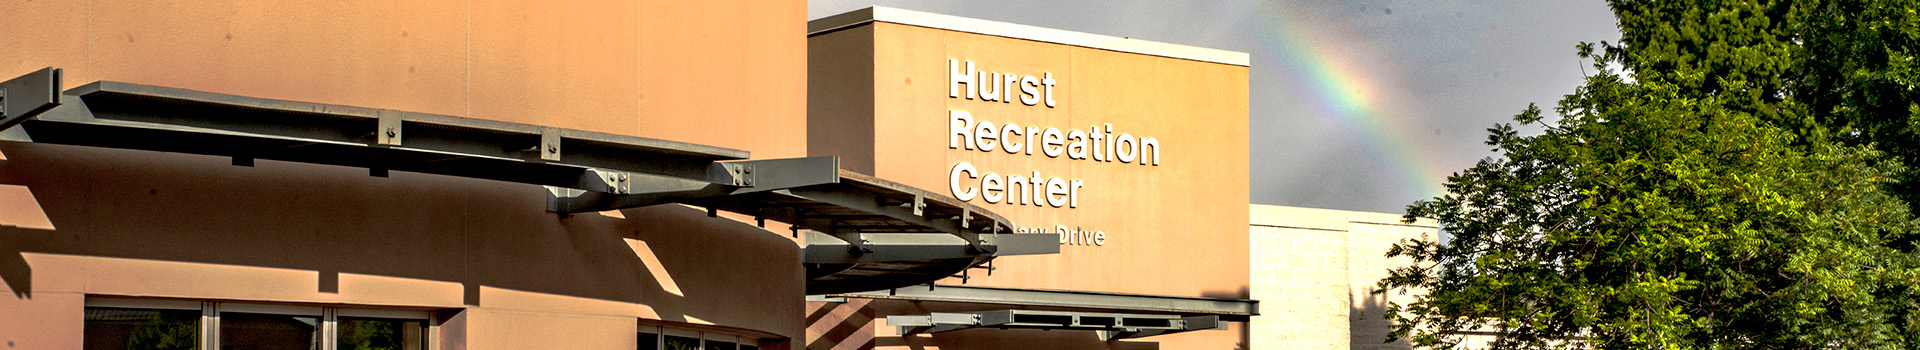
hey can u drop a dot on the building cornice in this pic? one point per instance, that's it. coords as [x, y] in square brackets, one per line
[1018, 31]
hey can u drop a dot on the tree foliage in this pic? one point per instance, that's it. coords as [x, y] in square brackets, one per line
[1730, 178]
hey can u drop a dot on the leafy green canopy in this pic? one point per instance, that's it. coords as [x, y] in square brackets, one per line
[1723, 181]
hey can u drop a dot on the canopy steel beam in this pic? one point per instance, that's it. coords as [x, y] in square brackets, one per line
[120, 115]
[1108, 325]
[1232, 309]
[723, 179]
[823, 248]
[1189, 323]
[586, 171]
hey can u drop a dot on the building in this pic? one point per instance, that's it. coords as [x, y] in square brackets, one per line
[638, 175]
[191, 202]
[1132, 152]
[1323, 266]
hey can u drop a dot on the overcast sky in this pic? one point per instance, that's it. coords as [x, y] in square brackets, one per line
[1357, 104]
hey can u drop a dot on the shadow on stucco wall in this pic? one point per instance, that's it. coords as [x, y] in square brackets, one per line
[150, 208]
[1246, 328]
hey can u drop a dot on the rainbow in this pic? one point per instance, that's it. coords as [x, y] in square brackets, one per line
[1348, 94]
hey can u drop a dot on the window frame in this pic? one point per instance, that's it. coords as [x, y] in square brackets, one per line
[661, 333]
[210, 312]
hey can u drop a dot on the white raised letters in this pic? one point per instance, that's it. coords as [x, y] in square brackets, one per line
[957, 77]
[961, 128]
[1097, 142]
[1010, 144]
[953, 181]
[983, 136]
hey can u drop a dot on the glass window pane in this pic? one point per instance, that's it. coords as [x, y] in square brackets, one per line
[682, 343]
[361, 333]
[649, 341]
[243, 331]
[748, 347]
[719, 345]
[137, 329]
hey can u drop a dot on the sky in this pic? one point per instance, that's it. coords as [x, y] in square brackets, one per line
[1356, 104]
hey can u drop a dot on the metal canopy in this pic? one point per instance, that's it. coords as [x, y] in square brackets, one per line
[1229, 309]
[872, 234]
[131, 116]
[583, 170]
[1108, 325]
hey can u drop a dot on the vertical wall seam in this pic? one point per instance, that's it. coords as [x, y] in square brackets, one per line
[89, 45]
[469, 282]
[640, 70]
[466, 97]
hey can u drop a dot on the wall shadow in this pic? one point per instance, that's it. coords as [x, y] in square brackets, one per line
[14, 269]
[1246, 326]
[1368, 324]
[843, 323]
[152, 206]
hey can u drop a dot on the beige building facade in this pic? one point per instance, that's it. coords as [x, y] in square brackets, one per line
[1323, 265]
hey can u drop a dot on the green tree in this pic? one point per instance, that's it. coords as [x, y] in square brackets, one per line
[1860, 77]
[1687, 197]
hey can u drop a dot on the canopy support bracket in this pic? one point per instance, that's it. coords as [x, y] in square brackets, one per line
[26, 96]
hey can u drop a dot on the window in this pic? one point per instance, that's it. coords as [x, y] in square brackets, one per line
[170, 324]
[648, 341]
[682, 343]
[122, 328]
[244, 331]
[365, 333]
[665, 338]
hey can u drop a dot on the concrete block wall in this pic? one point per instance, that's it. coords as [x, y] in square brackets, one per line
[1314, 270]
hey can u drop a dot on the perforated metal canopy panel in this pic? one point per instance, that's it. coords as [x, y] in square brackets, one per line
[1108, 325]
[1110, 315]
[864, 233]
[1231, 309]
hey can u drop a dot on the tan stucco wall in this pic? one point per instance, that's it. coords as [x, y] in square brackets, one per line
[1174, 229]
[101, 222]
[1314, 271]
[725, 73]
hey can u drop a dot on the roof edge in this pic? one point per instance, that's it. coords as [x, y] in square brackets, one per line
[1026, 32]
[1326, 219]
